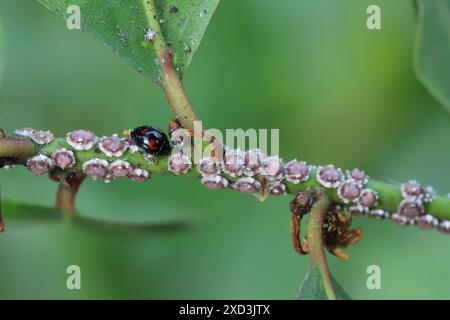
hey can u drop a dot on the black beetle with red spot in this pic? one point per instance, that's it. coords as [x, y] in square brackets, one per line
[151, 140]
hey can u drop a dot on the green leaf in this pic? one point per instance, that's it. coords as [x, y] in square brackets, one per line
[432, 54]
[312, 287]
[121, 25]
[26, 212]
[17, 211]
[131, 227]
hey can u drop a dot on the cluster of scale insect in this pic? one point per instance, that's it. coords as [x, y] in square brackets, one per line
[239, 171]
[249, 172]
[360, 200]
[83, 140]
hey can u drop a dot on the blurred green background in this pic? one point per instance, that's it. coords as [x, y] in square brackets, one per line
[338, 92]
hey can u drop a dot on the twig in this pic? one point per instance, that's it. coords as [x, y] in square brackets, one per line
[15, 147]
[67, 191]
[389, 194]
[171, 84]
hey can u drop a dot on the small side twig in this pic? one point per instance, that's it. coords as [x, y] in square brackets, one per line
[67, 191]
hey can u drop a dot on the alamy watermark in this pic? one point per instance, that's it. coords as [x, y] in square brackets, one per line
[73, 21]
[73, 281]
[207, 142]
[373, 22]
[374, 280]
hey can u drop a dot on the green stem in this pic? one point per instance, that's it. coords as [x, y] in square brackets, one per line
[315, 243]
[171, 84]
[390, 195]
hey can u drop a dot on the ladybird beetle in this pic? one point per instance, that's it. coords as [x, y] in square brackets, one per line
[152, 140]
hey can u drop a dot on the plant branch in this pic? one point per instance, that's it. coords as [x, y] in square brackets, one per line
[16, 147]
[171, 83]
[316, 242]
[390, 195]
